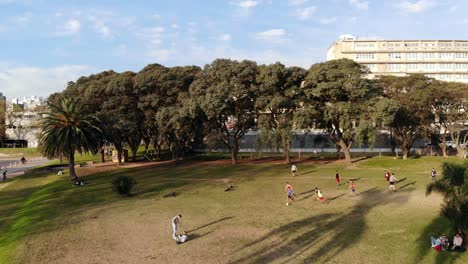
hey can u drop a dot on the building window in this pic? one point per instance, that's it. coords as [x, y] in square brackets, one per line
[365, 56]
[428, 55]
[394, 67]
[394, 56]
[363, 45]
[461, 66]
[371, 67]
[446, 55]
[462, 44]
[428, 66]
[461, 76]
[445, 45]
[411, 56]
[412, 45]
[445, 66]
[461, 55]
[412, 66]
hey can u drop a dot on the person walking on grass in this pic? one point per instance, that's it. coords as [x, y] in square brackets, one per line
[433, 174]
[4, 175]
[293, 169]
[338, 178]
[175, 225]
[352, 186]
[289, 192]
[392, 182]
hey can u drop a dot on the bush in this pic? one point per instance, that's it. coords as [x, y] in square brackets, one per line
[123, 185]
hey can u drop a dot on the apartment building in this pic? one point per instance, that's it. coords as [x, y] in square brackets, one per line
[445, 60]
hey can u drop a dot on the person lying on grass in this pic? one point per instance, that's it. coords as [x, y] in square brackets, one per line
[181, 238]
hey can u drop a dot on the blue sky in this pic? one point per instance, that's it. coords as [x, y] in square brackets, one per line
[46, 43]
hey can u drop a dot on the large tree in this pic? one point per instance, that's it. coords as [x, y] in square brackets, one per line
[226, 94]
[277, 101]
[405, 109]
[337, 98]
[450, 106]
[454, 187]
[65, 129]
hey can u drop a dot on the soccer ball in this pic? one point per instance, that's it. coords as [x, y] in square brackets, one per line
[287, 203]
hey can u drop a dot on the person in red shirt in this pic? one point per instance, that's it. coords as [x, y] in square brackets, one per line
[387, 175]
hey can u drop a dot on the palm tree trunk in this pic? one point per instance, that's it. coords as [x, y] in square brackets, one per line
[71, 166]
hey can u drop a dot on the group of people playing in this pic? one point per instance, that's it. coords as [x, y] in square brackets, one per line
[392, 180]
[290, 191]
[443, 243]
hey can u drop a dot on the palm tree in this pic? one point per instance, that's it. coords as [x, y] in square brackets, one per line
[66, 128]
[454, 188]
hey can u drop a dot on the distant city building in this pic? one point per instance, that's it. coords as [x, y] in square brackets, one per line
[31, 103]
[445, 60]
[23, 126]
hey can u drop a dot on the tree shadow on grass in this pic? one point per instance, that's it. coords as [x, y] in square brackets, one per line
[335, 197]
[438, 227]
[306, 192]
[305, 238]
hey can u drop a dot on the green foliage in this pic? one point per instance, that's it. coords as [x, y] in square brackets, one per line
[123, 185]
[226, 95]
[454, 188]
[338, 99]
[65, 128]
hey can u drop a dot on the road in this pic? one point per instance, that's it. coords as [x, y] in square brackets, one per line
[15, 168]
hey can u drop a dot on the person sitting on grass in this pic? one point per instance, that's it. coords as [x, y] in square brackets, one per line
[457, 243]
[181, 238]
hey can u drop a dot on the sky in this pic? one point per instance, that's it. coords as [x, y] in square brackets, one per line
[44, 44]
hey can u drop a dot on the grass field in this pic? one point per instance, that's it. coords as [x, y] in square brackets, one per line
[43, 219]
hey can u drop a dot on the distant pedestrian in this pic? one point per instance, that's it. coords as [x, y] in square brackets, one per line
[338, 178]
[23, 160]
[433, 175]
[392, 182]
[289, 192]
[4, 175]
[352, 186]
[175, 225]
[293, 169]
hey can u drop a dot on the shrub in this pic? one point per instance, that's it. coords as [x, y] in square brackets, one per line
[123, 185]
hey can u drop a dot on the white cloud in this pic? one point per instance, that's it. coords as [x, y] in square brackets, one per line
[247, 4]
[328, 20]
[273, 35]
[360, 4]
[17, 82]
[415, 7]
[71, 27]
[306, 13]
[225, 37]
[453, 9]
[297, 2]
[103, 29]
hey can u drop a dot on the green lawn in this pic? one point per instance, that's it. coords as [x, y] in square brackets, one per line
[43, 219]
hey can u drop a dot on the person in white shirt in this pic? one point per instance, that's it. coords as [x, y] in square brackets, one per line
[433, 174]
[457, 242]
[182, 238]
[392, 181]
[175, 225]
[293, 169]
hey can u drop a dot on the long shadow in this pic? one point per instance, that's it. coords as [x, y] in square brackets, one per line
[195, 236]
[356, 179]
[402, 180]
[306, 192]
[336, 197]
[303, 239]
[212, 223]
[359, 159]
[306, 197]
[408, 184]
[309, 172]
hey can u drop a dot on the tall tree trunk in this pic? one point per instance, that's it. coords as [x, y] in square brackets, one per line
[443, 147]
[234, 152]
[119, 156]
[103, 158]
[286, 147]
[405, 151]
[346, 151]
[71, 166]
